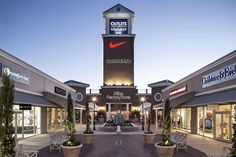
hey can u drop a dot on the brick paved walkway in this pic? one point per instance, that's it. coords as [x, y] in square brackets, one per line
[121, 146]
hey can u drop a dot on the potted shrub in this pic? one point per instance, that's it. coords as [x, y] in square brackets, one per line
[7, 138]
[88, 135]
[71, 147]
[149, 136]
[166, 147]
[233, 152]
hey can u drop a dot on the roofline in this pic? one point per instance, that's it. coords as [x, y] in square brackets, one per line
[205, 68]
[31, 68]
[116, 5]
[160, 84]
[76, 84]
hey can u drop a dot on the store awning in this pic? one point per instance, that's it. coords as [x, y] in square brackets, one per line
[60, 101]
[178, 101]
[228, 96]
[35, 100]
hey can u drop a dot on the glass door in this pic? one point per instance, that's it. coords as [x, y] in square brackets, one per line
[18, 124]
[222, 126]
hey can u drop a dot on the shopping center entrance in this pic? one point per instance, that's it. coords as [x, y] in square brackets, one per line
[222, 126]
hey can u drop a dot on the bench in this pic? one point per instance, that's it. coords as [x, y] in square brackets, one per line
[21, 152]
[180, 139]
[56, 141]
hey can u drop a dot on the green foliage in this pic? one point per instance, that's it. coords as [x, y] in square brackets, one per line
[7, 137]
[149, 121]
[88, 121]
[233, 152]
[69, 124]
[167, 125]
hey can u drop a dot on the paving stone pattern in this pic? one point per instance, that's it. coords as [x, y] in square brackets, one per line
[121, 146]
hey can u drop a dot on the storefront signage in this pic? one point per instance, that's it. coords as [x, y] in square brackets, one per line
[118, 26]
[118, 96]
[213, 107]
[179, 90]
[17, 76]
[118, 61]
[60, 91]
[158, 96]
[79, 96]
[218, 76]
[25, 107]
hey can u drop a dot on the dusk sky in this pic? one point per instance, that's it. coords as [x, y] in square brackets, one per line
[63, 37]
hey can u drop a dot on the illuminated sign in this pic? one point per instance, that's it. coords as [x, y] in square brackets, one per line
[60, 91]
[118, 96]
[118, 26]
[218, 76]
[177, 91]
[17, 76]
[114, 45]
[25, 107]
[118, 61]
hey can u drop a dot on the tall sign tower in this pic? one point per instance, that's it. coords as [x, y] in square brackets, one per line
[118, 42]
[118, 92]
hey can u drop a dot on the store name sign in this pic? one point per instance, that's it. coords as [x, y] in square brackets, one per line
[17, 76]
[119, 61]
[179, 90]
[218, 76]
[118, 96]
[60, 91]
[25, 107]
[213, 107]
[118, 26]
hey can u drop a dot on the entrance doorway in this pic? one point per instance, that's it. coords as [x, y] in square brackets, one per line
[18, 123]
[222, 126]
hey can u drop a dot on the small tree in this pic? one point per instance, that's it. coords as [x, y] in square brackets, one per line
[167, 125]
[69, 123]
[88, 121]
[149, 120]
[233, 152]
[6, 123]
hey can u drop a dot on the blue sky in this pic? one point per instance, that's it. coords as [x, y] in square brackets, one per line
[63, 37]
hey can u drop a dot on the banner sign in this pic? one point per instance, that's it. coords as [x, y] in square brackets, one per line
[118, 26]
[219, 76]
[118, 61]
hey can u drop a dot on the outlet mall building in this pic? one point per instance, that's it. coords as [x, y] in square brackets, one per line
[202, 102]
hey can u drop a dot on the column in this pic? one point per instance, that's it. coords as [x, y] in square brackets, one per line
[81, 118]
[109, 111]
[127, 111]
[156, 120]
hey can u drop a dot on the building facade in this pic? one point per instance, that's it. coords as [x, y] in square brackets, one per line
[39, 99]
[203, 102]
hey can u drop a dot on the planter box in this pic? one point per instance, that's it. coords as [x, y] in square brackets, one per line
[71, 151]
[149, 138]
[165, 151]
[88, 138]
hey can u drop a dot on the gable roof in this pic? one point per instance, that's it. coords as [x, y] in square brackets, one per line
[123, 9]
[161, 83]
[76, 83]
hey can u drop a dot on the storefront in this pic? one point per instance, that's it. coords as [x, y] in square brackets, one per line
[39, 99]
[204, 101]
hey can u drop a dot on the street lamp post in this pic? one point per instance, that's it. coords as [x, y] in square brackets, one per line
[94, 101]
[142, 100]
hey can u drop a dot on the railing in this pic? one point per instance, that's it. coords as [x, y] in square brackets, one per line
[140, 91]
[144, 91]
[92, 91]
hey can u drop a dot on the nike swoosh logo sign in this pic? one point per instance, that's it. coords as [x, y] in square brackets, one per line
[112, 45]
